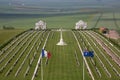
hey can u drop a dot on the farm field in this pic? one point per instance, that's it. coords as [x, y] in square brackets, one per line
[52, 20]
[21, 58]
[94, 20]
[109, 20]
[6, 35]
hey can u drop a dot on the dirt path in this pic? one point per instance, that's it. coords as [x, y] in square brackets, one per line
[113, 34]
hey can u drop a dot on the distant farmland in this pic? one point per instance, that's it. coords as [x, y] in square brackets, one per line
[19, 59]
[67, 20]
[24, 14]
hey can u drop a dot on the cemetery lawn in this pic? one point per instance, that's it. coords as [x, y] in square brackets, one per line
[20, 58]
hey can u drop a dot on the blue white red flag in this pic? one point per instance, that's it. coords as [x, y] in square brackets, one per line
[46, 54]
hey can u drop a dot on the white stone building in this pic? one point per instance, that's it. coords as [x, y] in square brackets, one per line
[81, 25]
[40, 25]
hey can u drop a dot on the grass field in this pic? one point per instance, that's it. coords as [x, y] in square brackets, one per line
[19, 59]
[56, 21]
[22, 21]
[6, 35]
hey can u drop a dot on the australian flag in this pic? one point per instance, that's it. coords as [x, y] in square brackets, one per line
[88, 54]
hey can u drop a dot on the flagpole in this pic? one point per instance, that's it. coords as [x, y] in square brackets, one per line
[83, 70]
[46, 61]
[41, 70]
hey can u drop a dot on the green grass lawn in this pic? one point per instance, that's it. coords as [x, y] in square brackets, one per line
[63, 64]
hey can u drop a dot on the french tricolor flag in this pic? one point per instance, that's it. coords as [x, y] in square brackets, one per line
[46, 54]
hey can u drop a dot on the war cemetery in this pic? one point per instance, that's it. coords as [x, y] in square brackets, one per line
[59, 43]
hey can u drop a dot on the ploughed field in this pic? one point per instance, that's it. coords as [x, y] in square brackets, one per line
[21, 58]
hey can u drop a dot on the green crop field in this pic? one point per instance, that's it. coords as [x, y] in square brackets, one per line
[67, 20]
[19, 60]
[53, 21]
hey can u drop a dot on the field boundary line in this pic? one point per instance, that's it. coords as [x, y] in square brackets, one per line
[20, 67]
[16, 59]
[108, 49]
[84, 57]
[111, 65]
[104, 67]
[33, 56]
[107, 41]
[36, 68]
